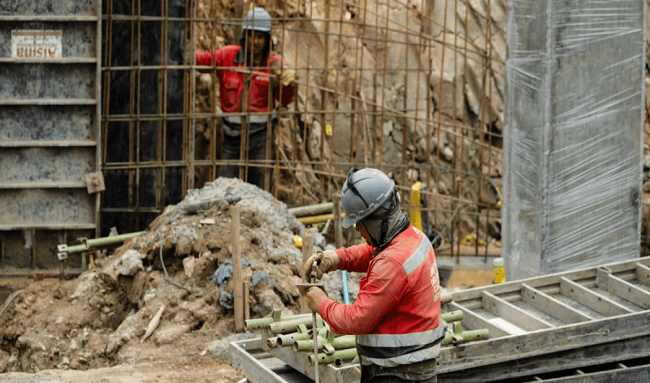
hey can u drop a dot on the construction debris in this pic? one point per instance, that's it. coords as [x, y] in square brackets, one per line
[172, 280]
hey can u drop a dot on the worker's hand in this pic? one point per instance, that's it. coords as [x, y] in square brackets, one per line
[326, 261]
[288, 77]
[314, 298]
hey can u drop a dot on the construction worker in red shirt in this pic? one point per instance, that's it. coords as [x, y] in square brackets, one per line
[252, 83]
[396, 317]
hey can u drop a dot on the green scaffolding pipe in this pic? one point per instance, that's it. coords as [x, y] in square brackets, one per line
[349, 353]
[111, 240]
[316, 219]
[452, 316]
[465, 336]
[64, 250]
[340, 342]
[257, 323]
[290, 339]
[292, 325]
[318, 209]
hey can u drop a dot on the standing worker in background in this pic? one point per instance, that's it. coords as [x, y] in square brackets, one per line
[396, 317]
[253, 88]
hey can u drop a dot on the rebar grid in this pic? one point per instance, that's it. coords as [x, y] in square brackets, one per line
[380, 83]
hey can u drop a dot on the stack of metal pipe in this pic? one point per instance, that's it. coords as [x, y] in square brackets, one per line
[295, 331]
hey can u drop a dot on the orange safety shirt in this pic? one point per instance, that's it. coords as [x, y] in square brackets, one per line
[396, 316]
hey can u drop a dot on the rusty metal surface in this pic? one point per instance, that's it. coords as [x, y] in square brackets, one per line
[49, 127]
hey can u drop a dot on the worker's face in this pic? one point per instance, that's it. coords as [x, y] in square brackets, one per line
[363, 231]
[255, 42]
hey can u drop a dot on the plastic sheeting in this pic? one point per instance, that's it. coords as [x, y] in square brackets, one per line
[573, 138]
[221, 276]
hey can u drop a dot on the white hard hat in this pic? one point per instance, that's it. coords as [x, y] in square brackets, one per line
[258, 19]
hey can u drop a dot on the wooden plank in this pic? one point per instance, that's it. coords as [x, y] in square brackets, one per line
[237, 274]
[476, 322]
[307, 250]
[591, 299]
[623, 289]
[513, 314]
[551, 306]
[643, 273]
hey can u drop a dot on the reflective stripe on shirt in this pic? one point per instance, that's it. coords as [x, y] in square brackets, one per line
[418, 256]
[390, 350]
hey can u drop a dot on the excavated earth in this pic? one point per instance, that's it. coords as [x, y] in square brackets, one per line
[182, 263]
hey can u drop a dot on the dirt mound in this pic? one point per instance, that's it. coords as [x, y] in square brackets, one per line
[179, 269]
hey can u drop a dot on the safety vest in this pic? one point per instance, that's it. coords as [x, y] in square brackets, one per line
[233, 81]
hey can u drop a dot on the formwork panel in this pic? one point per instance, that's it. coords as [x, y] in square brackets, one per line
[43, 165]
[49, 7]
[49, 126]
[49, 209]
[37, 81]
[54, 122]
[30, 249]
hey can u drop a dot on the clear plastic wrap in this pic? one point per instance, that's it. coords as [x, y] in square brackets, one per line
[573, 147]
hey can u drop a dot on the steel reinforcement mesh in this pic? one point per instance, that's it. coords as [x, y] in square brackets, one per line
[413, 88]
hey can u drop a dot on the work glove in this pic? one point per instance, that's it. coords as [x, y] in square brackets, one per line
[326, 261]
[288, 77]
[314, 298]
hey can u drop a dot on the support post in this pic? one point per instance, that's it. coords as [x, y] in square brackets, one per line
[237, 271]
[307, 250]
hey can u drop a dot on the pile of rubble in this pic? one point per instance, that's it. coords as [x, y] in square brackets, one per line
[170, 281]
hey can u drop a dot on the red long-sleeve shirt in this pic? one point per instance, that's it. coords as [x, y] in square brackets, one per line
[398, 300]
[231, 82]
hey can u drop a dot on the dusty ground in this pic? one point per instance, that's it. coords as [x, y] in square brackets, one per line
[181, 362]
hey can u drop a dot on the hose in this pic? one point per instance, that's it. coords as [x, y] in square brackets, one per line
[167, 277]
[11, 298]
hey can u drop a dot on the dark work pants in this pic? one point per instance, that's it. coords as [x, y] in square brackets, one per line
[370, 374]
[256, 152]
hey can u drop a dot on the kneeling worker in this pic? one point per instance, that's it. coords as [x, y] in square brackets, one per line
[396, 317]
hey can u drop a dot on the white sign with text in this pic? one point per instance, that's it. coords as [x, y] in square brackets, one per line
[35, 44]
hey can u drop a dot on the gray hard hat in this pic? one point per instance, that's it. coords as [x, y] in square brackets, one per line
[258, 19]
[364, 192]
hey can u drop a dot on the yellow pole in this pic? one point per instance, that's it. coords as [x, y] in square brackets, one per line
[416, 213]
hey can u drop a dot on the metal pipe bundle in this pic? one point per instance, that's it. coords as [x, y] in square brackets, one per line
[258, 323]
[293, 325]
[338, 355]
[344, 341]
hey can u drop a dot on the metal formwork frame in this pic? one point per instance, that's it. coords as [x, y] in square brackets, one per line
[50, 140]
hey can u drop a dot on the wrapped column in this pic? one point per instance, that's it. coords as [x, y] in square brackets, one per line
[573, 144]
